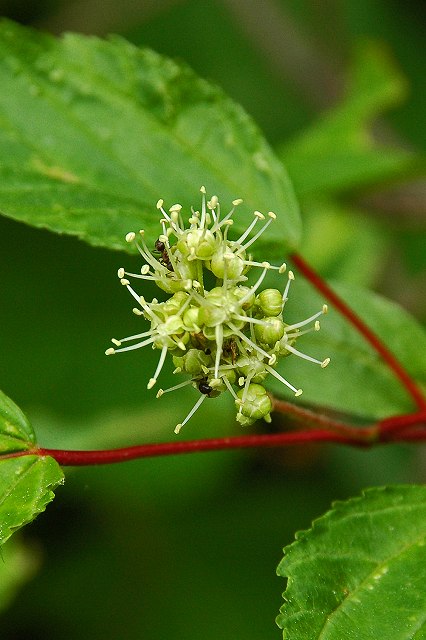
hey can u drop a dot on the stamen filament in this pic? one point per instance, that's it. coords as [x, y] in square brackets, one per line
[297, 392]
[249, 342]
[161, 392]
[259, 233]
[153, 380]
[296, 325]
[258, 216]
[138, 345]
[191, 413]
[303, 355]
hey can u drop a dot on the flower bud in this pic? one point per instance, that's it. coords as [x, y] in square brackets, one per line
[194, 361]
[172, 306]
[270, 302]
[190, 319]
[270, 331]
[241, 292]
[197, 243]
[211, 315]
[225, 262]
[250, 365]
[257, 404]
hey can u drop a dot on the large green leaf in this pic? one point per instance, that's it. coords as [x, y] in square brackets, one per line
[338, 151]
[357, 380]
[26, 487]
[16, 433]
[94, 132]
[360, 572]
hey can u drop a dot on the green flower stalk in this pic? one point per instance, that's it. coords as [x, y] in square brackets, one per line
[229, 337]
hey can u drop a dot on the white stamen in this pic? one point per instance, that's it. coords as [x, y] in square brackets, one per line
[303, 355]
[138, 345]
[296, 325]
[130, 236]
[272, 371]
[254, 288]
[257, 216]
[177, 386]
[219, 343]
[229, 387]
[153, 380]
[191, 413]
[258, 234]
[290, 276]
[248, 341]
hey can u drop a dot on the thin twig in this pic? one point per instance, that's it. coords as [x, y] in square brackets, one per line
[394, 364]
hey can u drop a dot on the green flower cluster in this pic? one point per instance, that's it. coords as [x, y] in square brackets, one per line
[226, 337]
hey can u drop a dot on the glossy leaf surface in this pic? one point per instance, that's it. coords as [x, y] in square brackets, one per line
[94, 132]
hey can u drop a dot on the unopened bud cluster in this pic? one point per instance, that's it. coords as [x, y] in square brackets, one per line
[225, 337]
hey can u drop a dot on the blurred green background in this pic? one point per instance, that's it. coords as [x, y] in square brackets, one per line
[187, 547]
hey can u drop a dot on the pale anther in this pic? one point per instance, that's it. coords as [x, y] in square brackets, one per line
[130, 236]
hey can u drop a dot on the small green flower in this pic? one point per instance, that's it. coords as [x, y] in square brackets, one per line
[226, 338]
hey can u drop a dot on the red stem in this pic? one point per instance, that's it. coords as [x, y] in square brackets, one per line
[366, 332]
[108, 456]
[400, 424]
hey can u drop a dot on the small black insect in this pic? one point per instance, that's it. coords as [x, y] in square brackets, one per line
[161, 248]
[204, 388]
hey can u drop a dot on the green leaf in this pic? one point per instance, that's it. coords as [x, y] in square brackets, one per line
[357, 380]
[26, 487]
[94, 132]
[360, 572]
[338, 151]
[16, 433]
